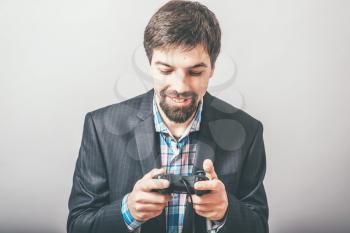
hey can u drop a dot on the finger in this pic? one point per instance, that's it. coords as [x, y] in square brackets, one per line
[214, 185]
[202, 200]
[153, 173]
[208, 167]
[205, 214]
[204, 208]
[152, 198]
[148, 207]
[149, 184]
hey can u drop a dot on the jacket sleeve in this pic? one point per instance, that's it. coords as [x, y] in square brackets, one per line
[90, 209]
[248, 210]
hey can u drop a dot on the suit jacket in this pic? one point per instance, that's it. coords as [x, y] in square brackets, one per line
[119, 145]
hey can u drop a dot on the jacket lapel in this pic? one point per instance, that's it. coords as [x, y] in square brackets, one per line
[146, 138]
[147, 142]
[147, 145]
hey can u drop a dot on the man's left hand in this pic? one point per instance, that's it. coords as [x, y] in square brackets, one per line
[213, 205]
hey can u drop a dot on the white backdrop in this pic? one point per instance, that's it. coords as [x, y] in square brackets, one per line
[289, 61]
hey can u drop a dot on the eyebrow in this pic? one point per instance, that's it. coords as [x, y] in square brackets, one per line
[202, 64]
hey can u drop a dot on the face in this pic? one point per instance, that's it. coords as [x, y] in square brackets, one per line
[180, 80]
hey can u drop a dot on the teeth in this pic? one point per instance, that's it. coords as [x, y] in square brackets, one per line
[178, 100]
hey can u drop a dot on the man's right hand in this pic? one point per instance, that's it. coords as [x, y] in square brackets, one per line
[144, 204]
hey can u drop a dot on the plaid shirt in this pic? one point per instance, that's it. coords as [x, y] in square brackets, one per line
[177, 157]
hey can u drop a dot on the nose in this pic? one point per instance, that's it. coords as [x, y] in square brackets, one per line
[180, 81]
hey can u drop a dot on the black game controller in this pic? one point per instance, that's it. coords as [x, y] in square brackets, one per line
[182, 184]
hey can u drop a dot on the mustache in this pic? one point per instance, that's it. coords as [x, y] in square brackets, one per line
[175, 94]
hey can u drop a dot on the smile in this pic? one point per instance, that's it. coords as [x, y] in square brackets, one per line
[180, 100]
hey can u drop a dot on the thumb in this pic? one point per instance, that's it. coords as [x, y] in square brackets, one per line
[208, 167]
[153, 173]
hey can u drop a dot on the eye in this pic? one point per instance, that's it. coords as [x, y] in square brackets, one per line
[192, 73]
[165, 71]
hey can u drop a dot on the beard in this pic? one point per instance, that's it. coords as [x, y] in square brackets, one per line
[178, 114]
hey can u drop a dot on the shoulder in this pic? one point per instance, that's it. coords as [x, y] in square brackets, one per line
[224, 117]
[120, 116]
[125, 108]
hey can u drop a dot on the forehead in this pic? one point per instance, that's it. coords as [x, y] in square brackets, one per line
[181, 57]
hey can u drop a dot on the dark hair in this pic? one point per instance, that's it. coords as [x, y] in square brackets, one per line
[185, 24]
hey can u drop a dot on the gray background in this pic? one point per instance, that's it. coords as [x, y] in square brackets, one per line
[61, 59]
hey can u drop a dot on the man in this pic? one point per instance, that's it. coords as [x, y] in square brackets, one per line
[177, 128]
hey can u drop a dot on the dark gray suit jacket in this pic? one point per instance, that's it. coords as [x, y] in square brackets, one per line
[119, 145]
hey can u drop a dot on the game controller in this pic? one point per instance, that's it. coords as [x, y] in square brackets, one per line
[182, 184]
